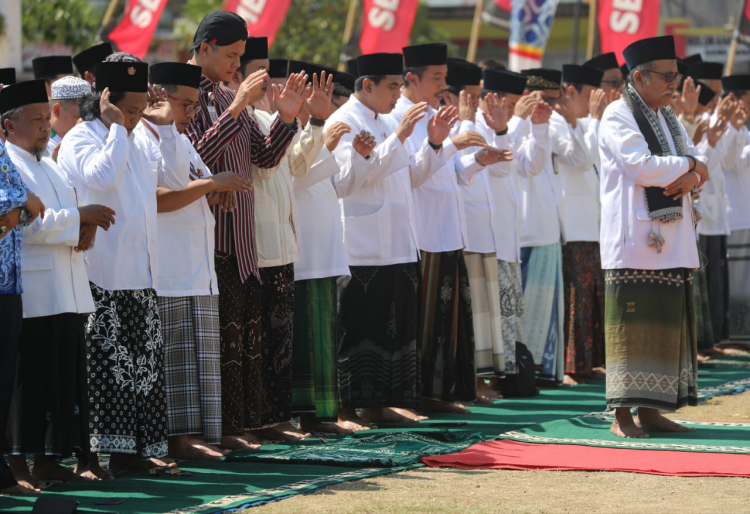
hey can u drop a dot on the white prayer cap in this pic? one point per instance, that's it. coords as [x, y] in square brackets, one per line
[70, 88]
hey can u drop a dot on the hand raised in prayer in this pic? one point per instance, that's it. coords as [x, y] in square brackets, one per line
[334, 133]
[250, 91]
[719, 129]
[525, 106]
[230, 181]
[598, 102]
[35, 206]
[496, 114]
[227, 201]
[318, 104]
[689, 98]
[97, 215]
[614, 95]
[741, 116]
[564, 107]
[159, 110]
[415, 113]
[541, 113]
[109, 112]
[728, 106]
[467, 139]
[289, 100]
[490, 155]
[439, 126]
[9, 221]
[700, 130]
[467, 107]
[86, 237]
[56, 151]
[364, 143]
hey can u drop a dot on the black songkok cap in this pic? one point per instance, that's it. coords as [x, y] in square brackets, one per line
[502, 81]
[222, 28]
[277, 68]
[625, 71]
[7, 76]
[310, 68]
[345, 80]
[649, 49]
[380, 64]
[175, 73]
[255, 48]
[23, 93]
[692, 59]
[603, 62]
[736, 83]
[682, 67]
[122, 76]
[543, 78]
[351, 68]
[431, 54]
[89, 58]
[706, 70]
[575, 74]
[463, 73]
[52, 66]
[706, 94]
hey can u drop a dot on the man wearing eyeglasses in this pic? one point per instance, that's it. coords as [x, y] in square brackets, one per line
[612, 79]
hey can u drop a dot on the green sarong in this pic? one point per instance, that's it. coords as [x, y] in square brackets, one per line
[650, 339]
[315, 387]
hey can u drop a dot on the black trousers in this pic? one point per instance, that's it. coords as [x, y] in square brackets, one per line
[717, 278]
[11, 315]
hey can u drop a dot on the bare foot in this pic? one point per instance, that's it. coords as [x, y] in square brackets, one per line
[308, 424]
[193, 448]
[409, 413]
[437, 406]
[93, 471]
[21, 472]
[21, 489]
[349, 419]
[651, 420]
[485, 393]
[703, 358]
[282, 432]
[599, 374]
[388, 415]
[624, 425]
[46, 469]
[121, 462]
[246, 441]
[571, 380]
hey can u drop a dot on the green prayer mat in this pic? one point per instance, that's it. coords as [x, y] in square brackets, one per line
[593, 430]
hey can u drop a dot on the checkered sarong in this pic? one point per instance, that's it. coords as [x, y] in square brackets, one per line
[192, 365]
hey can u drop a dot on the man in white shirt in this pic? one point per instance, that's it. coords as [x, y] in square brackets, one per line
[85, 61]
[582, 268]
[63, 105]
[648, 245]
[125, 352]
[50, 403]
[613, 81]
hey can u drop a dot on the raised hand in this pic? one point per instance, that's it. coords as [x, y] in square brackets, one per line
[364, 143]
[334, 133]
[689, 98]
[250, 91]
[714, 133]
[598, 102]
[159, 110]
[614, 95]
[318, 104]
[525, 106]
[564, 107]
[439, 126]
[741, 116]
[97, 215]
[496, 114]
[541, 113]
[728, 106]
[490, 155]
[467, 110]
[700, 130]
[230, 181]
[289, 101]
[109, 112]
[468, 138]
[415, 113]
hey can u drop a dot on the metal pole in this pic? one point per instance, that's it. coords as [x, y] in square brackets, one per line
[476, 25]
[110, 12]
[735, 39]
[592, 29]
[348, 29]
[576, 29]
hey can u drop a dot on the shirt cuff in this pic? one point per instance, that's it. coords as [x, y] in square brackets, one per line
[449, 149]
[118, 131]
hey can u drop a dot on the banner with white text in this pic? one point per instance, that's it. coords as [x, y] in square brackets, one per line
[386, 25]
[136, 30]
[263, 17]
[622, 22]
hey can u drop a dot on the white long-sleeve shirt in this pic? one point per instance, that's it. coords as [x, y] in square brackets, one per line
[627, 168]
[714, 200]
[737, 179]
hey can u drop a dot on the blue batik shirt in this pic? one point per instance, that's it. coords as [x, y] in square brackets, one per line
[12, 196]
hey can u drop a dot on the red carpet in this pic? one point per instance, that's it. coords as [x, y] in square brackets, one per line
[507, 454]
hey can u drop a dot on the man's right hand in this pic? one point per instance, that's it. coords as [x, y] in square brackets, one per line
[10, 220]
[250, 91]
[415, 113]
[35, 206]
[230, 181]
[468, 138]
[525, 106]
[689, 98]
[86, 237]
[110, 113]
[364, 143]
[541, 114]
[702, 170]
[334, 134]
[97, 215]
[598, 102]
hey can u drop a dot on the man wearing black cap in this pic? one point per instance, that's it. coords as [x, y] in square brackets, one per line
[228, 139]
[648, 245]
[51, 373]
[51, 68]
[556, 138]
[187, 284]
[582, 270]
[613, 79]
[87, 60]
[709, 73]
[124, 343]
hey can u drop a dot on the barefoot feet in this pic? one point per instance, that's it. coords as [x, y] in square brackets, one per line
[282, 432]
[22, 488]
[573, 380]
[651, 420]
[350, 420]
[430, 405]
[121, 462]
[247, 441]
[187, 447]
[309, 424]
[94, 470]
[47, 469]
[485, 393]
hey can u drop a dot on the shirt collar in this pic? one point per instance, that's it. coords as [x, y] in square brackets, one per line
[363, 109]
[208, 85]
[23, 154]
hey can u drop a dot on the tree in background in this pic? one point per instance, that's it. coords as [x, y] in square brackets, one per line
[74, 23]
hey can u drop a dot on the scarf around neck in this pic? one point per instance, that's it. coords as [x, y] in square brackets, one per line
[660, 208]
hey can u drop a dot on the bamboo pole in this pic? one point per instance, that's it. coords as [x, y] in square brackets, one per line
[592, 29]
[110, 12]
[735, 39]
[348, 29]
[476, 25]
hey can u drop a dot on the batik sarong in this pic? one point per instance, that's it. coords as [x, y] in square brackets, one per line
[511, 310]
[446, 328]
[583, 280]
[240, 321]
[192, 365]
[277, 334]
[543, 307]
[650, 338]
[489, 350]
[49, 412]
[704, 329]
[315, 386]
[379, 362]
[717, 279]
[125, 358]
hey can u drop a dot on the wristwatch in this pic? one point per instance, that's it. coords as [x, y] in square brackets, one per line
[317, 122]
[24, 216]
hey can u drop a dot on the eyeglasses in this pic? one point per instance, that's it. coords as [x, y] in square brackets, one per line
[617, 84]
[190, 108]
[669, 76]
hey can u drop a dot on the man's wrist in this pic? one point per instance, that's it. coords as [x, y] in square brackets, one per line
[317, 122]
[434, 146]
[502, 132]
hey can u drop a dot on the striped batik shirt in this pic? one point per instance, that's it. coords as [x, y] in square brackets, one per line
[236, 145]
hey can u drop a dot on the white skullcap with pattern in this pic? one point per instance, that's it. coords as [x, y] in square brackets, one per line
[70, 88]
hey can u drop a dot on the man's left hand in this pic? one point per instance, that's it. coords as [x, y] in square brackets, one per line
[439, 126]
[319, 102]
[289, 100]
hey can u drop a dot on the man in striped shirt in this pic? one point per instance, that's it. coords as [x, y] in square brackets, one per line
[228, 139]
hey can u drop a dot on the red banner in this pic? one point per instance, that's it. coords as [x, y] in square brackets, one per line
[743, 29]
[622, 22]
[386, 25]
[263, 17]
[136, 30]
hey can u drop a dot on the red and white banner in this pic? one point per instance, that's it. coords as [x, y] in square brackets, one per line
[136, 30]
[263, 17]
[622, 22]
[386, 25]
